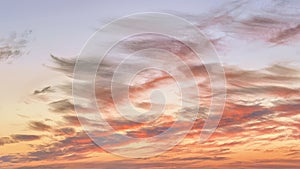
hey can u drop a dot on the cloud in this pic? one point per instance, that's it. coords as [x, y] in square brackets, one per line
[71, 120]
[124, 164]
[147, 132]
[61, 106]
[14, 45]
[273, 163]
[24, 137]
[64, 65]
[257, 114]
[68, 131]
[44, 90]
[18, 138]
[7, 158]
[261, 111]
[6, 140]
[246, 20]
[39, 126]
[286, 35]
[202, 158]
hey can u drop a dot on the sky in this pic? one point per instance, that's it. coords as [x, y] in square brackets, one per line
[48, 118]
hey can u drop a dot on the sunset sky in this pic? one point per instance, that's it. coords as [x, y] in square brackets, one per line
[44, 126]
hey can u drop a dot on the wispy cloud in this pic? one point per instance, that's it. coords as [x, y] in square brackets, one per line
[14, 45]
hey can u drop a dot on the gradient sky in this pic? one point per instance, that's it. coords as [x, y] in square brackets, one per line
[258, 45]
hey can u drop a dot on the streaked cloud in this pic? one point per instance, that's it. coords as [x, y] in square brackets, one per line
[18, 138]
[39, 126]
[61, 106]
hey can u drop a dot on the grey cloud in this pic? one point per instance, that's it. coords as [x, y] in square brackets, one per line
[203, 158]
[286, 35]
[18, 138]
[39, 126]
[65, 131]
[63, 65]
[6, 140]
[24, 137]
[249, 20]
[61, 106]
[257, 114]
[14, 45]
[47, 89]
[7, 158]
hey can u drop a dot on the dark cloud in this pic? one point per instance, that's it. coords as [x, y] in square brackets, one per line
[39, 126]
[47, 89]
[71, 120]
[24, 137]
[65, 131]
[258, 114]
[6, 140]
[73, 146]
[203, 158]
[61, 106]
[63, 65]
[18, 138]
[7, 158]
[147, 132]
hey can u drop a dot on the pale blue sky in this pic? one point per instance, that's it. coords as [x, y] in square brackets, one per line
[62, 27]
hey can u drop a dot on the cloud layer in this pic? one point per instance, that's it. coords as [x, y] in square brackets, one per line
[259, 127]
